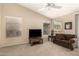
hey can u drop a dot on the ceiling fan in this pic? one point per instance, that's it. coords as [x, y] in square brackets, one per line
[50, 5]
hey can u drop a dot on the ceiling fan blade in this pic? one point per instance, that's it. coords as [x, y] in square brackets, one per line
[42, 9]
[56, 7]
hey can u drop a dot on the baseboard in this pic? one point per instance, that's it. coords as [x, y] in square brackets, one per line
[8, 45]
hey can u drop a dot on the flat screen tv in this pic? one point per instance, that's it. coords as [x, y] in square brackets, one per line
[35, 33]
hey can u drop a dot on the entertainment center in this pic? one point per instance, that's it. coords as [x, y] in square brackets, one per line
[35, 36]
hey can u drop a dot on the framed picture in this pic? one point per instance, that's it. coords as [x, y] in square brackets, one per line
[68, 25]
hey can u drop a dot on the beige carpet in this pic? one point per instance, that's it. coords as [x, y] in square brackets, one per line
[45, 49]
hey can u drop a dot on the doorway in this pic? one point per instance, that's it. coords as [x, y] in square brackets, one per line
[46, 30]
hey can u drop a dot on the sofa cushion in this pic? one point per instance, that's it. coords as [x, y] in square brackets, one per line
[68, 36]
[60, 36]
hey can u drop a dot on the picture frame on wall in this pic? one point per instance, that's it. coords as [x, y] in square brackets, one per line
[68, 25]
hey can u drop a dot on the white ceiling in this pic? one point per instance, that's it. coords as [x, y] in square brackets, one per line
[53, 12]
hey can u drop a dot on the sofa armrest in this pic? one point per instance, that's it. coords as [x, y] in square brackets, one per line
[75, 45]
[71, 41]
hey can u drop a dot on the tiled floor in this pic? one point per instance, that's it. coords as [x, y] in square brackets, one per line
[45, 49]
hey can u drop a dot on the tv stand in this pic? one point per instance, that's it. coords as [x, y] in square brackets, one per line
[35, 40]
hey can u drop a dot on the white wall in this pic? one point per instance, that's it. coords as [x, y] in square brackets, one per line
[30, 20]
[0, 22]
[77, 28]
[67, 18]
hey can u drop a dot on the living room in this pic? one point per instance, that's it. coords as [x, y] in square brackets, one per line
[21, 21]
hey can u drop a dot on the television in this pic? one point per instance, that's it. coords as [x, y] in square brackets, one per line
[35, 33]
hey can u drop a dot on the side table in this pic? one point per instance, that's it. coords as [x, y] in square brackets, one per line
[51, 38]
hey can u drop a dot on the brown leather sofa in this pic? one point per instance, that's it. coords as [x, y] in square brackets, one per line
[64, 40]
